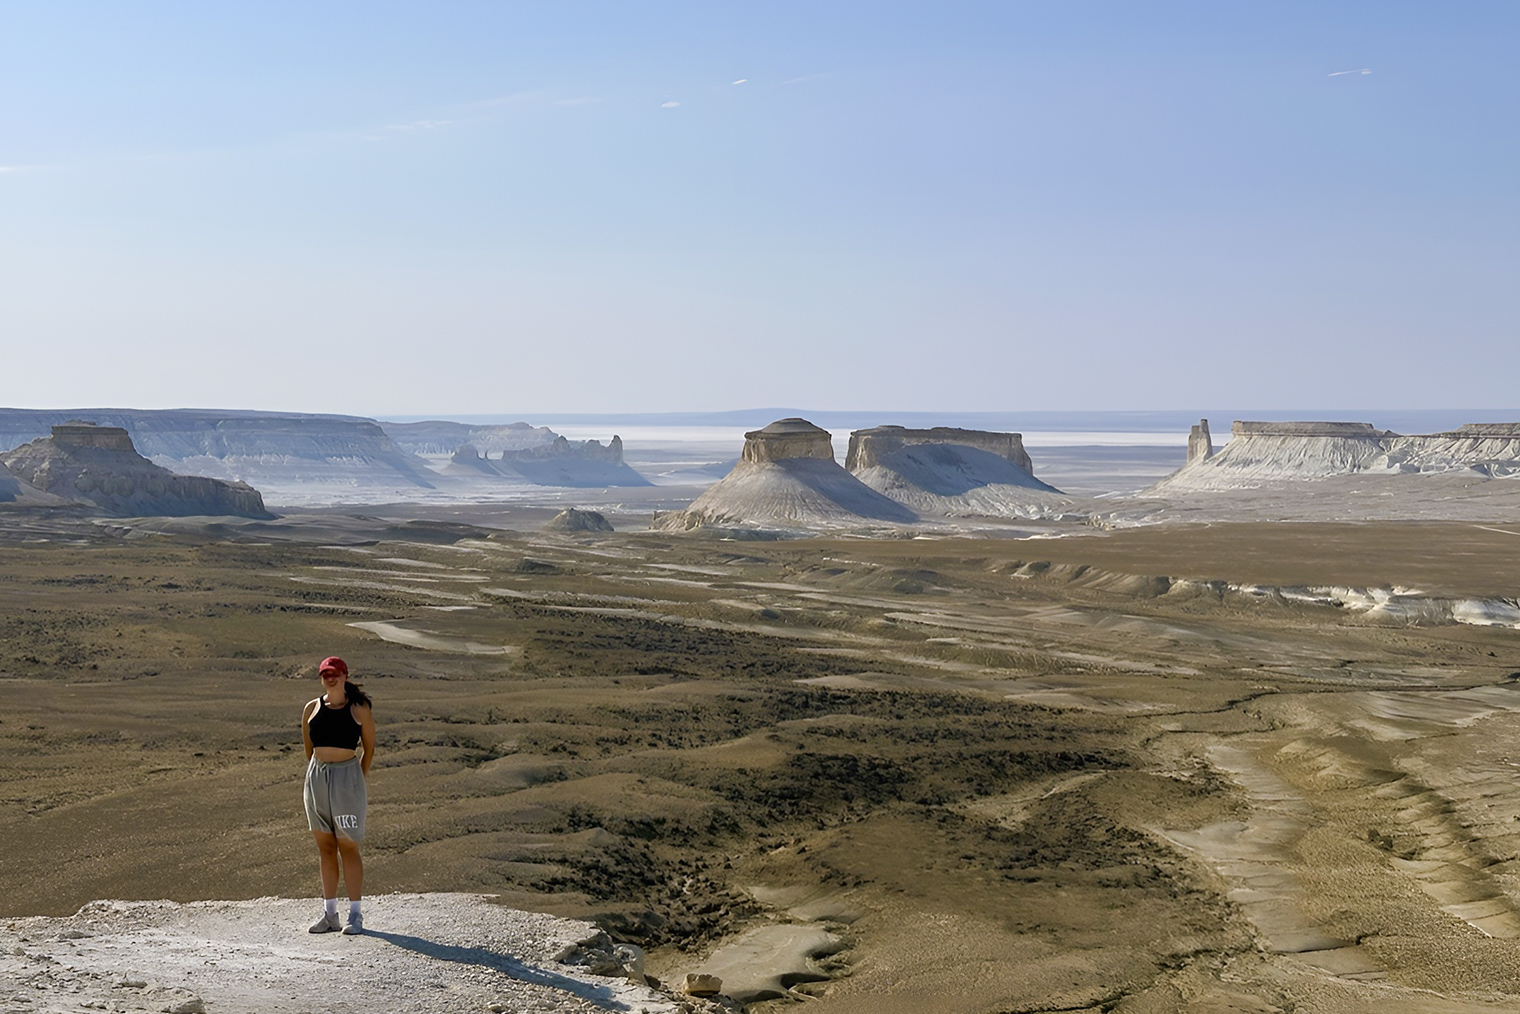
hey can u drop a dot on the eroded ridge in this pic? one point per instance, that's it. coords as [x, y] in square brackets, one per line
[1254, 858]
[1457, 837]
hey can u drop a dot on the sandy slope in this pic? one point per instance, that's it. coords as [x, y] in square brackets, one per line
[424, 953]
[791, 491]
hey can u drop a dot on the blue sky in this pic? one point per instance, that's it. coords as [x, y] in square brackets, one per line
[454, 208]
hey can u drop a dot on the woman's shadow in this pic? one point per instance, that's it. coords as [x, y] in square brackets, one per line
[507, 965]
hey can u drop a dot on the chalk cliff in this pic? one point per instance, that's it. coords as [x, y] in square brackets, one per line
[574, 463]
[301, 459]
[82, 462]
[953, 472]
[1491, 449]
[534, 454]
[1267, 453]
[439, 436]
[787, 477]
[469, 461]
[292, 457]
[556, 462]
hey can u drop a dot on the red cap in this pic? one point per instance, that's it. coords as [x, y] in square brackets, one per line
[335, 664]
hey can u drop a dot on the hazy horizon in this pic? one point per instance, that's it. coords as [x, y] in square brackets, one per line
[634, 209]
[1138, 421]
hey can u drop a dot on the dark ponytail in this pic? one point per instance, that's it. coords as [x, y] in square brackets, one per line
[356, 694]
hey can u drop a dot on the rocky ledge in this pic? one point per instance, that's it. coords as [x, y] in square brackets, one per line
[419, 953]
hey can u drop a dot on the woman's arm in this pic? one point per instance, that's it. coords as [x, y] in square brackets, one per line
[306, 714]
[366, 719]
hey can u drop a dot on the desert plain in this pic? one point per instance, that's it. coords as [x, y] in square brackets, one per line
[1124, 771]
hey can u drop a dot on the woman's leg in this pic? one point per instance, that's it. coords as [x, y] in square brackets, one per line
[327, 852]
[353, 868]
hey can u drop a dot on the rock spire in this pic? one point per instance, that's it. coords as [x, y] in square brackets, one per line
[1200, 443]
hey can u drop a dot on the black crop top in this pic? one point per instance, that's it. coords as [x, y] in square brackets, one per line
[333, 727]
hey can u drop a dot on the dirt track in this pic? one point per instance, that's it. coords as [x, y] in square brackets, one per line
[998, 785]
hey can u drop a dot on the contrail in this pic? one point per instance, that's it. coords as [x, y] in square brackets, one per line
[1338, 73]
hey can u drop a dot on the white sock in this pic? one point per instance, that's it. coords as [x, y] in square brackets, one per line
[330, 906]
[353, 909]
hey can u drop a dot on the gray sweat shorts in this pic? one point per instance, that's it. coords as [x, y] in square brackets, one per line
[336, 798]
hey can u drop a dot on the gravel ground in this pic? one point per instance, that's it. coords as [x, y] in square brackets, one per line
[420, 952]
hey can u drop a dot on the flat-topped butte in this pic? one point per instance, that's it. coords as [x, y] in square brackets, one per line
[97, 465]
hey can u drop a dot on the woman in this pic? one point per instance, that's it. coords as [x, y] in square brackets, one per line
[334, 726]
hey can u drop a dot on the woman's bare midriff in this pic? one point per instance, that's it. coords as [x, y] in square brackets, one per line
[333, 754]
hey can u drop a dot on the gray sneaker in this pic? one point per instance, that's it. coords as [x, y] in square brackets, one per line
[355, 924]
[327, 924]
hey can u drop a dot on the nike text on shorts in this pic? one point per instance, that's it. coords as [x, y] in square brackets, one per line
[336, 798]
